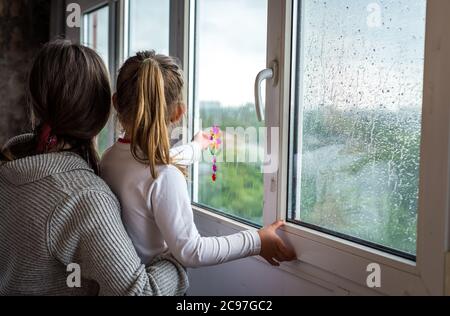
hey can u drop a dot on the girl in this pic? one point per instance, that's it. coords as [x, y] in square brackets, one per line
[157, 211]
[56, 214]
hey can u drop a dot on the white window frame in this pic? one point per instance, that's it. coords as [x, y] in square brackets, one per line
[192, 123]
[332, 262]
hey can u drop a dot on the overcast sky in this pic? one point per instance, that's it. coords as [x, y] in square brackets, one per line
[231, 49]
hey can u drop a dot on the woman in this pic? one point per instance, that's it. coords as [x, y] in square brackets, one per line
[55, 210]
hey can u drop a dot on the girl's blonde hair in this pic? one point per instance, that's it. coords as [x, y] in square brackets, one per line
[149, 91]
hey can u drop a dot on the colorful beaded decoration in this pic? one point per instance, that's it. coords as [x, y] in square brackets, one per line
[216, 140]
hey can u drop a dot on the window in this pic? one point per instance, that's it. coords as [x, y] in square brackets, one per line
[149, 26]
[347, 101]
[96, 25]
[96, 36]
[230, 50]
[356, 123]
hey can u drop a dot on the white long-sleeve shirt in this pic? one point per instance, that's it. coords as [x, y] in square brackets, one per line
[158, 215]
[186, 155]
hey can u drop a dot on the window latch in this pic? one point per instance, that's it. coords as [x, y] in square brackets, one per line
[266, 74]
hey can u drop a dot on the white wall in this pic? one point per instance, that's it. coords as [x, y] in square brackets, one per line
[254, 277]
[250, 277]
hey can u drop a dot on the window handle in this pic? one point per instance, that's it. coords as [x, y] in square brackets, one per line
[266, 74]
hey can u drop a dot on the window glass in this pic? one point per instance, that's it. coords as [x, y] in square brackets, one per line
[96, 36]
[356, 127]
[230, 50]
[96, 26]
[149, 26]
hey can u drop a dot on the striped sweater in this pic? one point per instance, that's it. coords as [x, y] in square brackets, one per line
[54, 212]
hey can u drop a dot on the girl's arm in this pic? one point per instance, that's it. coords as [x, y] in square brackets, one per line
[186, 155]
[191, 153]
[174, 216]
[87, 230]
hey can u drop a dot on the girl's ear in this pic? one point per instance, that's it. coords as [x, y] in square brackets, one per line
[178, 112]
[114, 100]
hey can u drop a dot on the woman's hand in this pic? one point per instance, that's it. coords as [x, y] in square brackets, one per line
[203, 139]
[273, 248]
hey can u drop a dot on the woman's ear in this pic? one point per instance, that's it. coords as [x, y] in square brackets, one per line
[114, 101]
[178, 112]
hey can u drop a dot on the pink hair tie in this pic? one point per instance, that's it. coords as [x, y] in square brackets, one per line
[47, 141]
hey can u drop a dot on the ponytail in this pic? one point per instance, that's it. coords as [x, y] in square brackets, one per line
[149, 92]
[150, 135]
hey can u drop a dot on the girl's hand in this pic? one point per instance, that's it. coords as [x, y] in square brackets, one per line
[203, 139]
[273, 248]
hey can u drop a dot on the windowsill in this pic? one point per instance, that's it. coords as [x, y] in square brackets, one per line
[352, 248]
[328, 259]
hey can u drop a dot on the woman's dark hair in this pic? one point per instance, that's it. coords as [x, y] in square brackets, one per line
[70, 93]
